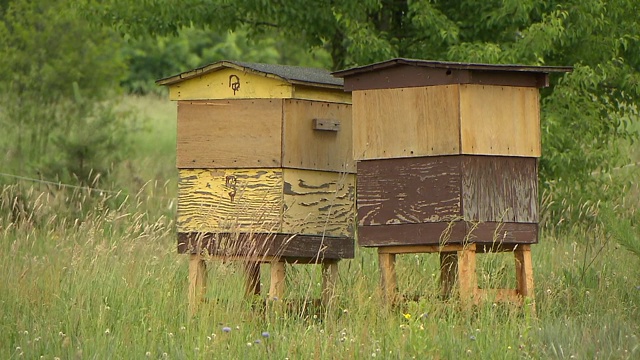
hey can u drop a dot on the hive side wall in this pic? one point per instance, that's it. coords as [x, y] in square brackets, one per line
[229, 134]
[500, 120]
[406, 122]
[230, 200]
[307, 148]
[319, 203]
[500, 189]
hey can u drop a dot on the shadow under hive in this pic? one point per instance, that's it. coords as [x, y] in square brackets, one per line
[447, 162]
[265, 167]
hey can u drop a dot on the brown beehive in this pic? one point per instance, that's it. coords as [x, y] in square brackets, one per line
[447, 163]
[446, 146]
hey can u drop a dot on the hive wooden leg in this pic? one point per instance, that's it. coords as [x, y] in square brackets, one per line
[252, 278]
[276, 290]
[329, 278]
[448, 270]
[197, 281]
[524, 273]
[388, 277]
[467, 280]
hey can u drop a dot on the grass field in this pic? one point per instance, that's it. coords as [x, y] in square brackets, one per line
[90, 275]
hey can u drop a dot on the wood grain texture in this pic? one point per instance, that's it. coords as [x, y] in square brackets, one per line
[321, 94]
[500, 120]
[291, 248]
[306, 148]
[392, 123]
[500, 189]
[319, 203]
[459, 232]
[229, 134]
[446, 188]
[219, 85]
[409, 190]
[219, 200]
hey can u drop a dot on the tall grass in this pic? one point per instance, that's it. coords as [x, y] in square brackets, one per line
[91, 275]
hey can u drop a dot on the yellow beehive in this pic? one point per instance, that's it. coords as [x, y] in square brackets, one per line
[265, 162]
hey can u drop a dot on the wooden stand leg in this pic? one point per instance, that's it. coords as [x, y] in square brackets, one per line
[252, 278]
[524, 273]
[467, 280]
[197, 281]
[329, 278]
[448, 272]
[388, 277]
[276, 290]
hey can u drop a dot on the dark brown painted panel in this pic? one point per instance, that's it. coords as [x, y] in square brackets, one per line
[453, 233]
[289, 247]
[500, 188]
[403, 76]
[410, 234]
[502, 233]
[409, 190]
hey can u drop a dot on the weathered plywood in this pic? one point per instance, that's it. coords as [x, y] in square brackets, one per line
[409, 190]
[230, 84]
[306, 148]
[319, 203]
[407, 122]
[458, 232]
[500, 120]
[321, 94]
[500, 188]
[290, 247]
[232, 200]
[229, 133]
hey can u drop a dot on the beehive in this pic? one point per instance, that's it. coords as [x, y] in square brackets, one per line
[265, 162]
[447, 154]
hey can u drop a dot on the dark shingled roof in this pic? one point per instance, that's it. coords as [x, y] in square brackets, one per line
[450, 65]
[292, 74]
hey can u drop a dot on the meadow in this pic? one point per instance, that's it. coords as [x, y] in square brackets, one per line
[95, 275]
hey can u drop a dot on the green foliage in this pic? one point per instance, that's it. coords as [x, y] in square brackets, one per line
[586, 115]
[51, 55]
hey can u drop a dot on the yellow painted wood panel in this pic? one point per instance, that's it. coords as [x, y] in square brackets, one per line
[406, 122]
[500, 120]
[306, 148]
[318, 202]
[230, 84]
[230, 200]
[321, 94]
[229, 134]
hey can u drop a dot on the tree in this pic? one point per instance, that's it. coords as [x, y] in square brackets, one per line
[50, 57]
[585, 114]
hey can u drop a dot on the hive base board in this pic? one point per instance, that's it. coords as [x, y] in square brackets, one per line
[455, 232]
[288, 247]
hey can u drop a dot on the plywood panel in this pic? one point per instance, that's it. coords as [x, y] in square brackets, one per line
[500, 120]
[321, 94]
[229, 133]
[407, 122]
[500, 188]
[409, 190]
[306, 148]
[303, 248]
[319, 203]
[458, 232]
[221, 85]
[232, 200]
